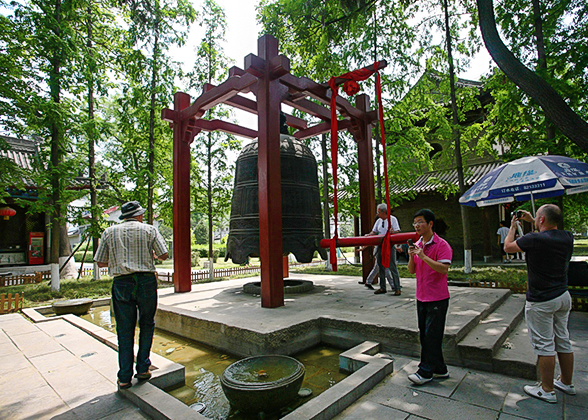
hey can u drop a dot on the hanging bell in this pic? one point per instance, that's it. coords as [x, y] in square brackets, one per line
[302, 226]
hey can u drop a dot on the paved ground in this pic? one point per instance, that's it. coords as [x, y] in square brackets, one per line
[53, 370]
[470, 394]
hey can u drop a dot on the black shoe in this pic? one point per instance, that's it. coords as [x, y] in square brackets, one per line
[143, 376]
[122, 385]
[369, 286]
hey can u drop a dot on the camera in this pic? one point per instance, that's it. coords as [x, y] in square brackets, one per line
[518, 214]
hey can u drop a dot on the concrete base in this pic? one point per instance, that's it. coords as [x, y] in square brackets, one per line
[338, 312]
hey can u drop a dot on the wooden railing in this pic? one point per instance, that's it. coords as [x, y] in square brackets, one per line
[21, 279]
[10, 304]
[199, 275]
[514, 287]
[89, 271]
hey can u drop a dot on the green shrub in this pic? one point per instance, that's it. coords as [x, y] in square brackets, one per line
[80, 254]
[195, 258]
[203, 250]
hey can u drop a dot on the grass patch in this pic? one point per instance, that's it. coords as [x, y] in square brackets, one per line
[499, 273]
[41, 294]
[510, 274]
[580, 247]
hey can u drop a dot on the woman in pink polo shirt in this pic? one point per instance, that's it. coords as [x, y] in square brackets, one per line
[429, 259]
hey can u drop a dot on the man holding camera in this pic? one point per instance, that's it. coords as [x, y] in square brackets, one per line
[548, 302]
[430, 258]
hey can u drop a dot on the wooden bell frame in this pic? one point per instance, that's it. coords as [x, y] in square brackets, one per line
[267, 75]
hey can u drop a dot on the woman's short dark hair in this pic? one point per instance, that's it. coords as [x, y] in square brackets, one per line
[427, 214]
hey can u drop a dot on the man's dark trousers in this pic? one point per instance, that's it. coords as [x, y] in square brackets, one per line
[431, 317]
[130, 293]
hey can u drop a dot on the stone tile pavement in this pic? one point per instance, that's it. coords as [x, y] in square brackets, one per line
[53, 370]
[470, 395]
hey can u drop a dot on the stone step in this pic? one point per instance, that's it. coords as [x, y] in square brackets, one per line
[515, 357]
[483, 342]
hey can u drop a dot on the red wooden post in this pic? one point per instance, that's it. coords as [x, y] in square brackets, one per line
[270, 178]
[367, 200]
[285, 272]
[181, 196]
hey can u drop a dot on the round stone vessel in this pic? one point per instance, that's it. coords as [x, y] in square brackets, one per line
[262, 383]
[72, 306]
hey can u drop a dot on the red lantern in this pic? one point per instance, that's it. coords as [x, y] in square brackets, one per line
[7, 212]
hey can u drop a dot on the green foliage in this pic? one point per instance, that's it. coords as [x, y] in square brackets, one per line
[327, 38]
[580, 246]
[139, 147]
[201, 233]
[213, 187]
[219, 250]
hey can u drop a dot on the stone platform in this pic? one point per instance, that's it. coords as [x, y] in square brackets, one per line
[343, 313]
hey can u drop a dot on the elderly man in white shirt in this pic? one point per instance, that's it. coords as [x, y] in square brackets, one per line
[128, 250]
[380, 228]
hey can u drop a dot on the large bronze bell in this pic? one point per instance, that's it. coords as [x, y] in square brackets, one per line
[302, 227]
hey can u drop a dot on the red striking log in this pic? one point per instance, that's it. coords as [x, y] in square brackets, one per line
[396, 238]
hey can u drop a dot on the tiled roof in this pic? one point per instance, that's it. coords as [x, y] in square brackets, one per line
[431, 180]
[23, 153]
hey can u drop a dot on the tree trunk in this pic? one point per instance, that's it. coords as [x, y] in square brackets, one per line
[379, 196]
[538, 23]
[542, 66]
[554, 106]
[91, 154]
[151, 162]
[56, 154]
[465, 222]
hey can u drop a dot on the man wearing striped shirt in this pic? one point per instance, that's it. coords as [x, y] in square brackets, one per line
[128, 250]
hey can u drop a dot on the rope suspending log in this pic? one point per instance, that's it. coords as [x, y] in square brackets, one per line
[351, 87]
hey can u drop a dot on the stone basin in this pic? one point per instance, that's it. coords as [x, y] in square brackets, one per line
[72, 306]
[262, 383]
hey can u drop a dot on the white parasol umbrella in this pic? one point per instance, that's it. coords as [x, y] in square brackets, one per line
[529, 178]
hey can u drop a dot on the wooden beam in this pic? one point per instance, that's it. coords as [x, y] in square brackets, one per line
[248, 105]
[279, 66]
[255, 65]
[320, 93]
[309, 107]
[216, 96]
[226, 127]
[321, 128]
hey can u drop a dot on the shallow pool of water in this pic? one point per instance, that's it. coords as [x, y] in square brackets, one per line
[204, 365]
